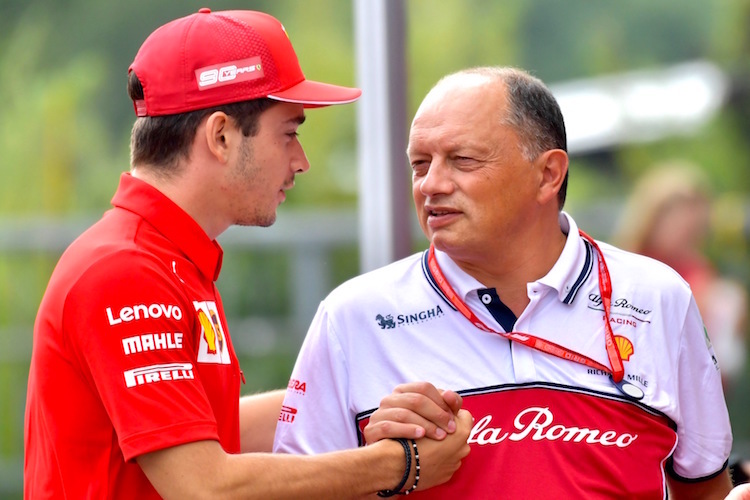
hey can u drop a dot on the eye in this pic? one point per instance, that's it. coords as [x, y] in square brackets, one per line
[464, 162]
[420, 167]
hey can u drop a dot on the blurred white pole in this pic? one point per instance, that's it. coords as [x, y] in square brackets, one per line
[384, 200]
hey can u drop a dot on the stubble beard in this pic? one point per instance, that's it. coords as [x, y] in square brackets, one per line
[246, 173]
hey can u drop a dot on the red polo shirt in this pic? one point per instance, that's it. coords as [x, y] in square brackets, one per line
[131, 352]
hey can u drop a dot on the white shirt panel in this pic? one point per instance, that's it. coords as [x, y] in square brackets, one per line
[390, 326]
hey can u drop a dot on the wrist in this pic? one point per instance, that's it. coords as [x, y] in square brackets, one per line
[405, 446]
[411, 472]
[415, 470]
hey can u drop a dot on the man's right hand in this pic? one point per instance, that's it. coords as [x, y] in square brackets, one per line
[740, 492]
[439, 460]
[414, 410]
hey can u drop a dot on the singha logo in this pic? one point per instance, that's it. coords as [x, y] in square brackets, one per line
[385, 322]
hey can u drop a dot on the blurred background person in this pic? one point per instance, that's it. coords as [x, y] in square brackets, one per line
[668, 217]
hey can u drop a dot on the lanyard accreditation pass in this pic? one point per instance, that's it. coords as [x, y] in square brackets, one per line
[617, 370]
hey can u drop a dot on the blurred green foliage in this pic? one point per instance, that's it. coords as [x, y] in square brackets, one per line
[65, 120]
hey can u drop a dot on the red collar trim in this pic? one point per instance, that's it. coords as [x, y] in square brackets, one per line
[172, 221]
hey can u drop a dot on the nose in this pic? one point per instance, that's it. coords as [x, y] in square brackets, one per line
[437, 179]
[300, 163]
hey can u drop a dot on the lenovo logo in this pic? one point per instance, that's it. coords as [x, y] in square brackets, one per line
[143, 311]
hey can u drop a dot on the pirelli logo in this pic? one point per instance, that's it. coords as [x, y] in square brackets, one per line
[158, 373]
[287, 414]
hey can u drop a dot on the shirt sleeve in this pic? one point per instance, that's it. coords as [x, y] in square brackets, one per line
[130, 329]
[315, 409]
[703, 429]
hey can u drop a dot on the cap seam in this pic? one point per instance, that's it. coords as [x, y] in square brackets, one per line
[185, 90]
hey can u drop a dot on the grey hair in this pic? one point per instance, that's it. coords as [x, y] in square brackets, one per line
[533, 112]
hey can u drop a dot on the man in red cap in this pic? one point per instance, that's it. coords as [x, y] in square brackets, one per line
[134, 385]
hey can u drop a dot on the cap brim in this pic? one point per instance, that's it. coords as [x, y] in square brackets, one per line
[316, 94]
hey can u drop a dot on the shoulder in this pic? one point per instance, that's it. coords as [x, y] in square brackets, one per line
[103, 265]
[399, 275]
[100, 261]
[120, 243]
[646, 283]
[636, 267]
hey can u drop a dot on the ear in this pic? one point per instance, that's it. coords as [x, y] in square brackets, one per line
[219, 135]
[553, 165]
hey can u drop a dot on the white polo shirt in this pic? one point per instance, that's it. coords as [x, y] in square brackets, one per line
[544, 426]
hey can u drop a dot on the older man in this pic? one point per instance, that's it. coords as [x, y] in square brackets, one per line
[586, 368]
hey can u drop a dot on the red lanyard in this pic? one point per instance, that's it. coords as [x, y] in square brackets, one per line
[605, 289]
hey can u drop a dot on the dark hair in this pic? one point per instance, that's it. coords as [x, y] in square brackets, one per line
[533, 112]
[162, 141]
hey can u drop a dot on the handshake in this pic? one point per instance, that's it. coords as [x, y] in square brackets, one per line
[435, 422]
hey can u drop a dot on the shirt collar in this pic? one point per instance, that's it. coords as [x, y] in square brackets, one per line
[171, 221]
[568, 274]
[573, 266]
[461, 282]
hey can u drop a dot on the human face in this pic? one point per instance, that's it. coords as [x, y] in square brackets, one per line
[265, 166]
[680, 227]
[473, 189]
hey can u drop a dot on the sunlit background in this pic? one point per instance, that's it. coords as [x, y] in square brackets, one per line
[641, 83]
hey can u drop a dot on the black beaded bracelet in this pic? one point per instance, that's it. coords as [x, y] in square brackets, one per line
[416, 476]
[407, 453]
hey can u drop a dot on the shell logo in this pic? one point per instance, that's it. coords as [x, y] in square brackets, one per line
[625, 347]
[213, 343]
[211, 332]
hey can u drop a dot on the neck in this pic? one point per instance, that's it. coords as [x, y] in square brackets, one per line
[189, 194]
[510, 270]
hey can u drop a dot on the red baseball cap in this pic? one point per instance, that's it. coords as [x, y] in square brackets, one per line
[212, 58]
